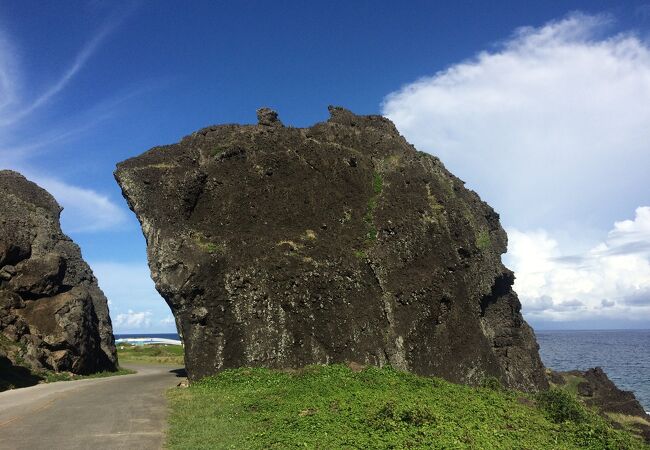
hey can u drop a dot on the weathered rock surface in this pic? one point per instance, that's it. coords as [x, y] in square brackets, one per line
[278, 246]
[52, 313]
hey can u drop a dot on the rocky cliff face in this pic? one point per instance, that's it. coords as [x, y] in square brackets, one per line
[279, 246]
[52, 313]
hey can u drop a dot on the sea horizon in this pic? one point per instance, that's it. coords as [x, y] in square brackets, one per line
[543, 330]
[624, 355]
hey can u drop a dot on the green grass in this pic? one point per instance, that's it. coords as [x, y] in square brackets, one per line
[151, 354]
[332, 407]
[51, 377]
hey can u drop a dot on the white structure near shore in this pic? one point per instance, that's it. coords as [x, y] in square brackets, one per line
[148, 341]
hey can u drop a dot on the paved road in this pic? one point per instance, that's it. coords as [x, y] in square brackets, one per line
[121, 412]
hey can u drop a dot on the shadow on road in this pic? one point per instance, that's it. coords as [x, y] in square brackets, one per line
[16, 376]
[179, 372]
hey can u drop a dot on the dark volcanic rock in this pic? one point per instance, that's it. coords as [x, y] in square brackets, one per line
[599, 391]
[278, 246]
[52, 313]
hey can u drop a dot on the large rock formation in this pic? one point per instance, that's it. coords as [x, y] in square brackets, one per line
[52, 313]
[279, 246]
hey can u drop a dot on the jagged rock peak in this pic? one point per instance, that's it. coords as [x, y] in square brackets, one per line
[268, 117]
[334, 243]
[52, 313]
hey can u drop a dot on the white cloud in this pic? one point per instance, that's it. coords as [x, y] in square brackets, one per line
[7, 73]
[133, 319]
[129, 287]
[551, 128]
[83, 209]
[612, 279]
[632, 231]
[169, 320]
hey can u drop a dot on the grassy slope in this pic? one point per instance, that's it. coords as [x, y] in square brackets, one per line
[334, 407]
[151, 354]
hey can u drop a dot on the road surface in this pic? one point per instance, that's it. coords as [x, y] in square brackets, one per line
[120, 412]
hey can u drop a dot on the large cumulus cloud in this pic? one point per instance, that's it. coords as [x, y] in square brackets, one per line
[609, 281]
[551, 128]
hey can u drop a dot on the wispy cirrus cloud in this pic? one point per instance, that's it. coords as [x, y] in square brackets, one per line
[84, 209]
[80, 60]
[11, 83]
[7, 73]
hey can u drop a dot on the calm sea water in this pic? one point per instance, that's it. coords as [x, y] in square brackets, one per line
[624, 355]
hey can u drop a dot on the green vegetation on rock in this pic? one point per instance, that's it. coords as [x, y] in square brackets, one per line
[335, 407]
[377, 183]
[208, 246]
[483, 241]
[217, 150]
[369, 217]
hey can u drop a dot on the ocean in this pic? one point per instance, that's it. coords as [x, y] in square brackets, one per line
[623, 355]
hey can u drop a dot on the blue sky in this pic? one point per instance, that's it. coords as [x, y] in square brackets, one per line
[541, 107]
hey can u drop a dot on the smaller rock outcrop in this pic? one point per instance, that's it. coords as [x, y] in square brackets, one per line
[52, 313]
[598, 390]
[595, 389]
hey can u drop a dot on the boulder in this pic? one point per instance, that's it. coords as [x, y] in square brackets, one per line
[52, 313]
[281, 247]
